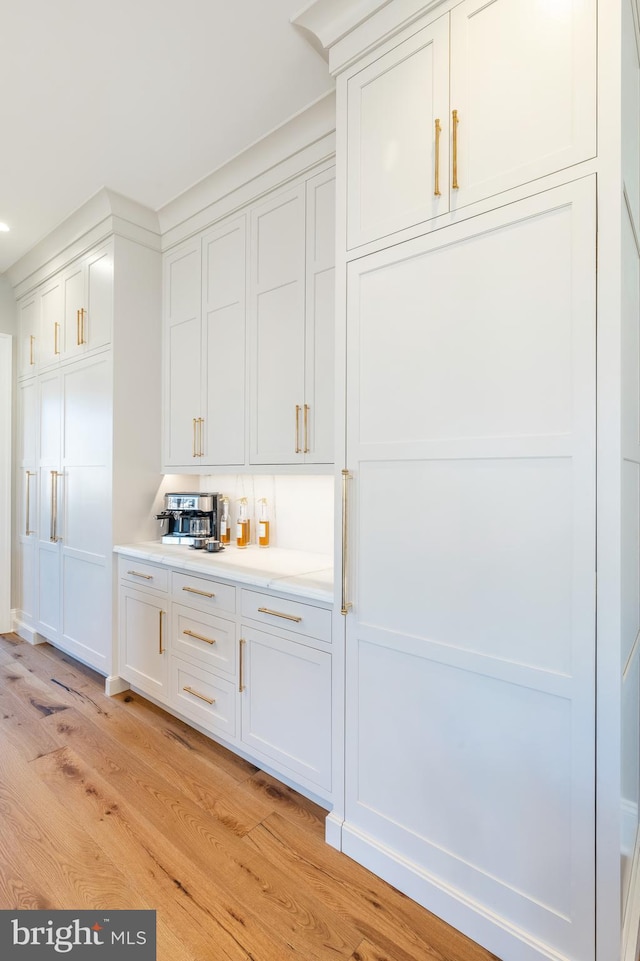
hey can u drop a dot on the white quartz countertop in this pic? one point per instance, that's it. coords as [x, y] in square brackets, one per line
[294, 572]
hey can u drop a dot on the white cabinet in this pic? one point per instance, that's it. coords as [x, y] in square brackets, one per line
[280, 332]
[143, 652]
[291, 325]
[204, 349]
[450, 115]
[74, 532]
[28, 334]
[26, 503]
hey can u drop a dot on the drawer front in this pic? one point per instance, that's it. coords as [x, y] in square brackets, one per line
[287, 615]
[207, 595]
[206, 638]
[144, 575]
[200, 695]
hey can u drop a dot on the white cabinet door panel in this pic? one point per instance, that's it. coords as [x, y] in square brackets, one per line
[393, 105]
[29, 334]
[470, 658]
[512, 128]
[143, 656]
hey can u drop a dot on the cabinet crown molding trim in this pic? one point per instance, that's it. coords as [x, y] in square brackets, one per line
[106, 212]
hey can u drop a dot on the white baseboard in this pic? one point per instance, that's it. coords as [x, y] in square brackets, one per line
[115, 685]
[333, 831]
[471, 918]
[28, 634]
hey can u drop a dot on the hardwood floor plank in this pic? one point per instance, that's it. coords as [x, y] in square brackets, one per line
[17, 724]
[359, 896]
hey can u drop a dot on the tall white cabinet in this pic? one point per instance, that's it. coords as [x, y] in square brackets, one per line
[88, 427]
[487, 261]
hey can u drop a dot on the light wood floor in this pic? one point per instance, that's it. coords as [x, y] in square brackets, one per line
[112, 803]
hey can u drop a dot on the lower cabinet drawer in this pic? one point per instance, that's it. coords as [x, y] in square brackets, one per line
[204, 637]
[143, 575]
[286, 615]
[204, 697]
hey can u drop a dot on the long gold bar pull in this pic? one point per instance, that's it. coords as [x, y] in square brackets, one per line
[436, 176]
[346, 605]
[56, 345]
[161, 633]
[241, 672]
[454, 116]
[82, 313]
[200, 637]
[298, 448]
[306, 429]
[194, 436]
[194, 590]
[78, 337]
[288, 617]
[53, 535]
[31, 342]
[27, 525]
[201, 442]
[203, 697]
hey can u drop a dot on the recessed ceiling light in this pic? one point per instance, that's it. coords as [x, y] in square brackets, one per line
[4, 228]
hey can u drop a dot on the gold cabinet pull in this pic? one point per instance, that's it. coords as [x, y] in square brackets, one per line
[78, 340]
[161, 633]
[200, 436]
[31, 342]
[194, 436]
[27, 525]
[298, 448]
[454, 116]
[56, 330]
[288, 617]
[194, 590]
[436, 180]
[306, 428]
[147, 577]
[241, 671]
[346, 605]
[200, 637]
[203, 697]
[53, 536]
[82, 315]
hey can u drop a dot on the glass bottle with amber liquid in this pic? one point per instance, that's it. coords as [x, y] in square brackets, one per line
[225, 521]
[242, 524]
[263, 523]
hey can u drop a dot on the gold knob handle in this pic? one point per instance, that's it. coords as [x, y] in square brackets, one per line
[288, 617]
[203, 697]
[161, 633]
[436, 182]
[455, 185]
[200, 637]
[241, 672]
[194, 590]
[346, 605]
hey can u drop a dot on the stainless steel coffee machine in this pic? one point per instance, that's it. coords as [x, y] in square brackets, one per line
[187, 515]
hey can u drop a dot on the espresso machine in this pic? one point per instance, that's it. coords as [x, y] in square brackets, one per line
[188, 515]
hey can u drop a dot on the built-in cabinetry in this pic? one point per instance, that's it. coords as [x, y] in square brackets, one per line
[253, 296]
[252, 668]
[469, 172]
[88, 438]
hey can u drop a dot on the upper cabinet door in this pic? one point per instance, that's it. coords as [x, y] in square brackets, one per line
[398, 162]
[51, 322]
[29, 333]
[88, 303]
[277, 318]
[517, 122]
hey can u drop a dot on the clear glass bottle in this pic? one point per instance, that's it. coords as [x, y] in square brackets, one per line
[225, 521]
[263, 523]
[242, 524]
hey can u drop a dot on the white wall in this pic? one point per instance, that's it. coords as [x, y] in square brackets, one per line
[8, 313]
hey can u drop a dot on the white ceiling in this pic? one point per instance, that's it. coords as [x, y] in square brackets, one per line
[144, 96]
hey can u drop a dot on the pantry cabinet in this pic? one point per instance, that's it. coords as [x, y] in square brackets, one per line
[447, 115]
[204, 349]
[26, 498]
